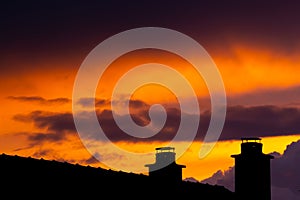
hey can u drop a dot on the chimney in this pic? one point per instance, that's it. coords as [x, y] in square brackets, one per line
[252, 171]
[165, 168]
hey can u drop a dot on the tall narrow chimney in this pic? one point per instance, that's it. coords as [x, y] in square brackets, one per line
[252, 171]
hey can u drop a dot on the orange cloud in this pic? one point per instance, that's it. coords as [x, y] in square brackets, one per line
[248, 68]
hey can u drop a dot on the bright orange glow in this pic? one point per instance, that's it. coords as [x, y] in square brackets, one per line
[251, 68]
[150, 93]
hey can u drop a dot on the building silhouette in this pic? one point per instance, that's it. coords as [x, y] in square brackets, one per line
[50, 179]
[165, 168]
[252, 171]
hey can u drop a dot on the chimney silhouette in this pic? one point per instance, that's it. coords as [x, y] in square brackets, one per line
[252, 171]
[165, 168]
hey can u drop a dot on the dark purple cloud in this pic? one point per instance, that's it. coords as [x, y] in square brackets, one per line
[37, 138]
[91, 102]
[285, 169]
[102, 103]
[54, 122]
[281, 96]
[58, 126]
[40, 138]
[40, 100]
[258, 121]
[285, 174]
[224, 178]
[114, 133]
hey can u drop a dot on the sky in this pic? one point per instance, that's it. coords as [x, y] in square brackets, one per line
[255, 46]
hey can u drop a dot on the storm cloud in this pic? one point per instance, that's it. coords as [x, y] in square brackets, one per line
[51, 121]
[258, 121]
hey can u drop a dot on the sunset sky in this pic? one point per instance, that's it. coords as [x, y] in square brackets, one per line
[254, 44]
